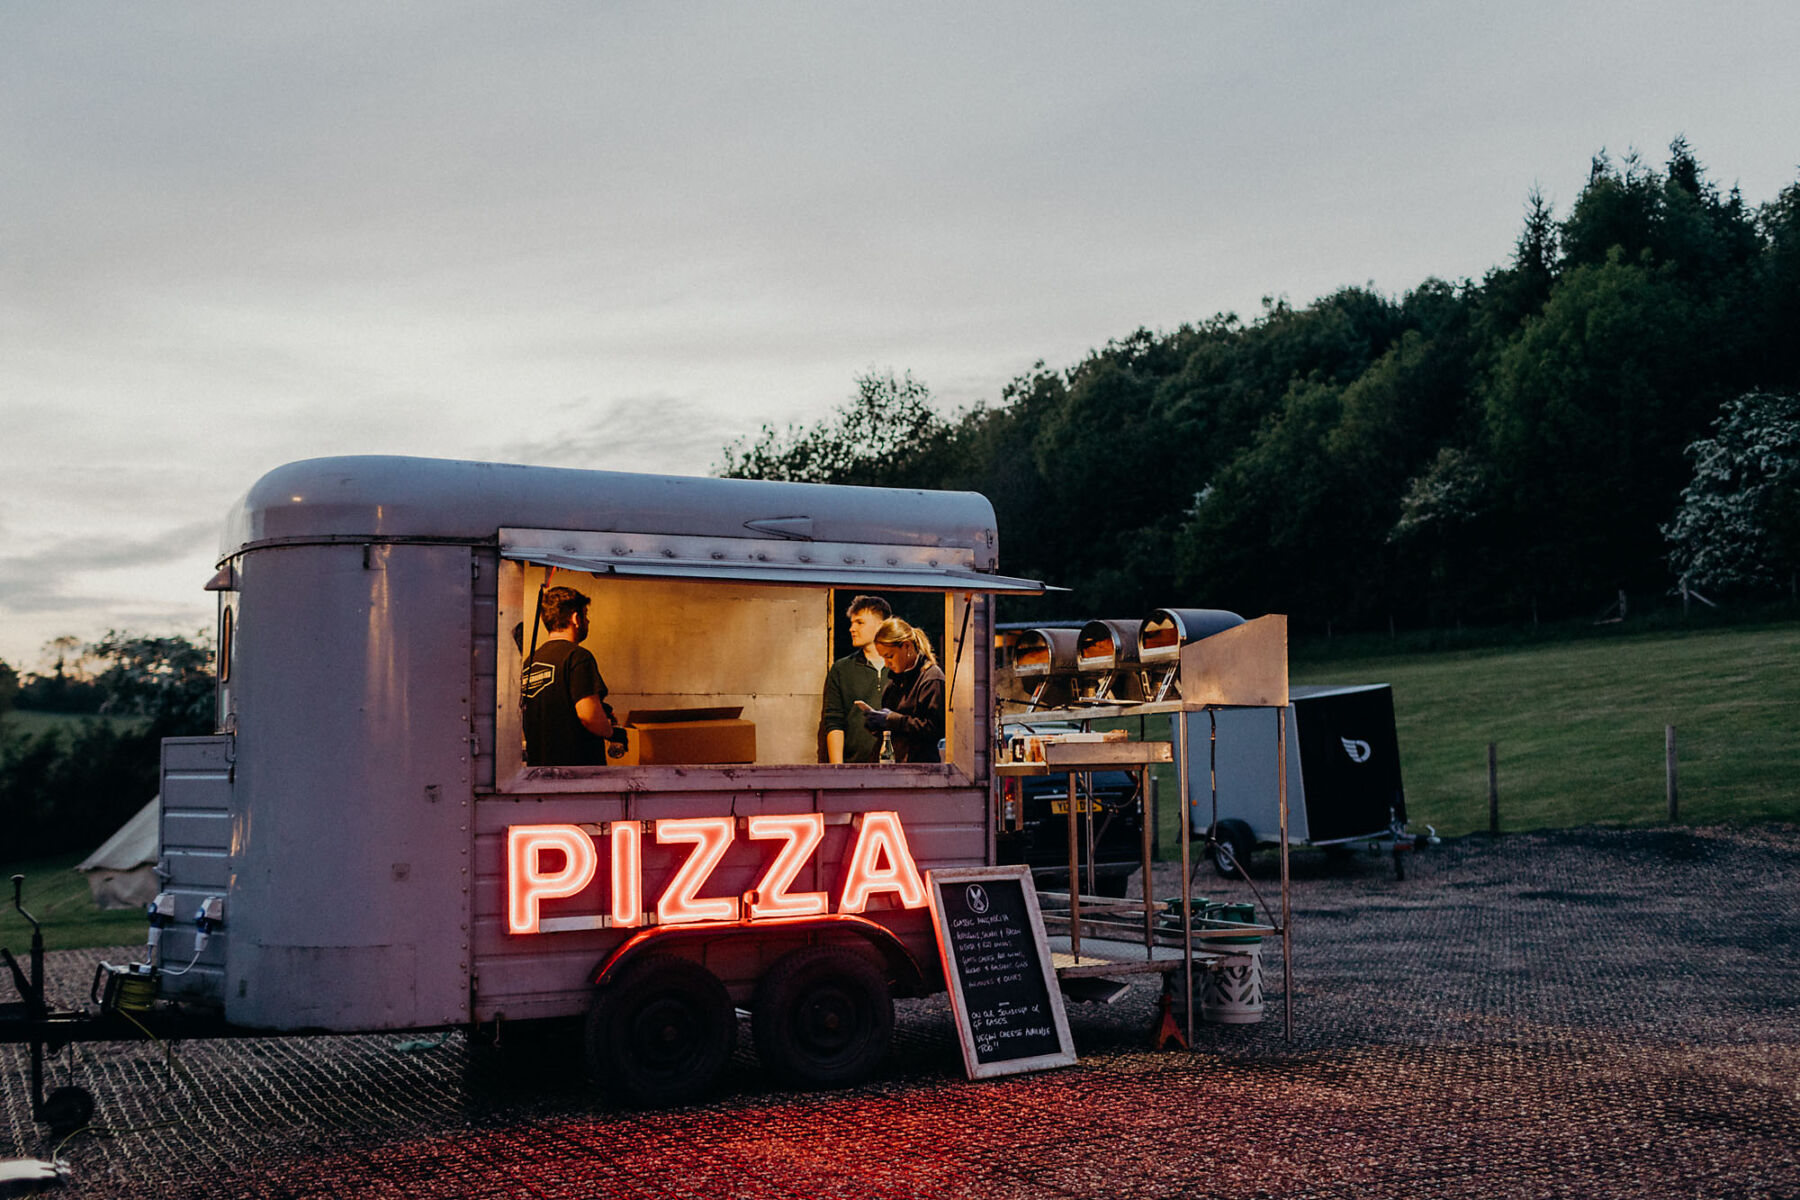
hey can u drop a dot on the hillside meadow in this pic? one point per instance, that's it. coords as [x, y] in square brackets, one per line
[1579, 728]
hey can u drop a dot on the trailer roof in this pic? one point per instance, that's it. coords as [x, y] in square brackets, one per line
[393, 498]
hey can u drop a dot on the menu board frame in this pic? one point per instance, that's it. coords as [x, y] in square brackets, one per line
[1036, 948]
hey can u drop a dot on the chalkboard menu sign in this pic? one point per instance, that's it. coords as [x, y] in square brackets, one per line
[1009, 1012]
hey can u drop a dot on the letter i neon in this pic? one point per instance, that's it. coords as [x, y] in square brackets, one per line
[627, 873]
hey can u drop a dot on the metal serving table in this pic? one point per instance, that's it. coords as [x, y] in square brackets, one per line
[1112, 948]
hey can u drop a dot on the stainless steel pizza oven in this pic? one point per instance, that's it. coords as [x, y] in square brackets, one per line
[1106, 658]
[1042, 659]
[1040, 652]
[1106, 646]
[1162, 635]
[1166, 630]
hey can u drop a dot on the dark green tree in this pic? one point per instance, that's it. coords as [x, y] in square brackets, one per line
[1737, 529]
[167, 680]
[887, 434]
[1777, 284]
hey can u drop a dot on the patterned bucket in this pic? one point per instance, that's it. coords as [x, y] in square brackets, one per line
[1231, 989]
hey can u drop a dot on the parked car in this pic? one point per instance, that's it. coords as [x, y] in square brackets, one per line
[1034, 827]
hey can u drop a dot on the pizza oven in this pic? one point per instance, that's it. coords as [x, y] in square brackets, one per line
[1166, 630]
[1037, 653]
[1042, 660]
[1106, 657]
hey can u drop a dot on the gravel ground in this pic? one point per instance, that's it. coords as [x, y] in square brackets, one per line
[1592, 1013]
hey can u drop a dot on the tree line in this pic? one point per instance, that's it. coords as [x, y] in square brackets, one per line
[1612, 410]
[69, 786]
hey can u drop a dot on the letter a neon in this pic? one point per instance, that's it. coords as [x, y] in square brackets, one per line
[528, 884]
[881, 837]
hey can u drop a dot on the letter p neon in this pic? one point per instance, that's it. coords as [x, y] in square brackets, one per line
[528, 884]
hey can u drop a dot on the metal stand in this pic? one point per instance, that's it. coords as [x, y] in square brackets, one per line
[1084, 757]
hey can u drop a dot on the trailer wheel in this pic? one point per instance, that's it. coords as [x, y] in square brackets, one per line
[1232, 845]
[660, 1033]
[822, 1017]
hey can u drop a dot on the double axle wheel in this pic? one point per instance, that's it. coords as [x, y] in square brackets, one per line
[823, 1017]
[662, 1030]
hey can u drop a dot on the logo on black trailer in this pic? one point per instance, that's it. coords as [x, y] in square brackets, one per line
[1358, 750]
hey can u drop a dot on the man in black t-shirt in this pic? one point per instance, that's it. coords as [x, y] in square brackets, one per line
[566, 718]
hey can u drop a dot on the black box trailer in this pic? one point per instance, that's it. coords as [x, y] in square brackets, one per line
[1343, 773]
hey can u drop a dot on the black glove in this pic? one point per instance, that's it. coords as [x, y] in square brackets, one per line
[877, 719]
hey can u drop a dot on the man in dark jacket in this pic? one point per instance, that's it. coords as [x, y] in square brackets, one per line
[858, 675]
[564, 697]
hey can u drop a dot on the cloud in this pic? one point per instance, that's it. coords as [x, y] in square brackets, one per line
[44, 579]
[626, 434]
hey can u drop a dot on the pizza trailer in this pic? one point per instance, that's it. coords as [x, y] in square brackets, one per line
[363, 847]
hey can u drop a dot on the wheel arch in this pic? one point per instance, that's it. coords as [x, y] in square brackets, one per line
[690, 941]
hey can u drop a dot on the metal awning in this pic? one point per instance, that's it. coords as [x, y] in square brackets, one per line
[757, 560]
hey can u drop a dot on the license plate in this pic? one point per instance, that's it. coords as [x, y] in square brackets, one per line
[1061, 807]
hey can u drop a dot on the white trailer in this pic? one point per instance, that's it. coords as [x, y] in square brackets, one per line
[362, 846]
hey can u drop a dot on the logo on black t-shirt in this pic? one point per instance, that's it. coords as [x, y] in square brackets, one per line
[536, 677]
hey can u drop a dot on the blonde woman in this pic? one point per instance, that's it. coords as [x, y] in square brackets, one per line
[912, 703]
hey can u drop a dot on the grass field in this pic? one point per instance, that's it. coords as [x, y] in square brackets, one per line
[59, 899]
[1579, 728]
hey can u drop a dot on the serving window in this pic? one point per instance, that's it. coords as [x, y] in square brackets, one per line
[705, 667]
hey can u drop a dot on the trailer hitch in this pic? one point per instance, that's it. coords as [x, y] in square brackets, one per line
[65, 1109]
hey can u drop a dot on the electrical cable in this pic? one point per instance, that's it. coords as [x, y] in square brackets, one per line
[186, 969]
[171, 1064]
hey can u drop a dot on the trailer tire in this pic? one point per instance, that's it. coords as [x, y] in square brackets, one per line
[822, 1017]
[1232, 845]
[661, 1031]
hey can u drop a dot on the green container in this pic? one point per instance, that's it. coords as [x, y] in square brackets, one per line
[1224, 916]
[1198, 905]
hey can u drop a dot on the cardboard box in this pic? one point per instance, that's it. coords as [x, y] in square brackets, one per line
[663, 737]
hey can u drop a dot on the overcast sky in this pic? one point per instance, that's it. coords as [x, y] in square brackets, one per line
[620, 235]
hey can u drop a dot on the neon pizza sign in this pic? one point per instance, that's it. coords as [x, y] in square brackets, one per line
[554, 862]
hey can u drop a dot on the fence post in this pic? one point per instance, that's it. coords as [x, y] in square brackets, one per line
[1493, 791]
[1669, 767]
